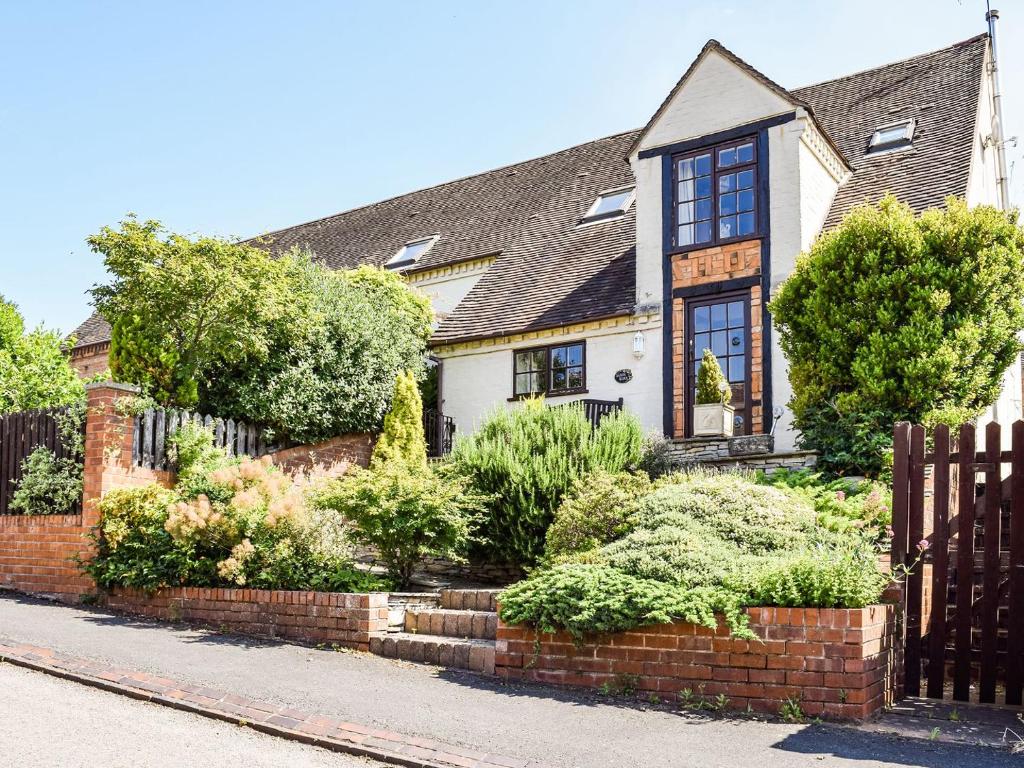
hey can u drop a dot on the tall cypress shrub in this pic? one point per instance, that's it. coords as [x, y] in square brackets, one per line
[403, 439]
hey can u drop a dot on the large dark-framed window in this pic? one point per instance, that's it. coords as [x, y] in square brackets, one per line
[556, 369]
[715, 195]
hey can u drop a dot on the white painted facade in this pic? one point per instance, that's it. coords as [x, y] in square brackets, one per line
[447, 286]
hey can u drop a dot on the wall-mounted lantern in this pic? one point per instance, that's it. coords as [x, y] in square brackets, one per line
[638, 345]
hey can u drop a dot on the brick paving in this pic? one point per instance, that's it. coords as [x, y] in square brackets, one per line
[307, 727]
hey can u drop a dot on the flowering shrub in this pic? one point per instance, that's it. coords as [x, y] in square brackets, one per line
[228, 522]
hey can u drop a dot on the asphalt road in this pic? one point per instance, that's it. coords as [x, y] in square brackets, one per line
[558, 727]
[48, 723]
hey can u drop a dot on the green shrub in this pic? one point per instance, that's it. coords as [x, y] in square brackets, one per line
[712, 386]
[892, 317]
[597, 509]
[403, 438]
[405, 513]
[526, 459]
[656, 456]
[51, 485]
[702, 544]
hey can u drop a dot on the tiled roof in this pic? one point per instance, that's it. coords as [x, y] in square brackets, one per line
[550, 272]
[95, 330]
[940, 90]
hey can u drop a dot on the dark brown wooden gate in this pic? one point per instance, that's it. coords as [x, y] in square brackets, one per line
[20, 434]
[958, 523]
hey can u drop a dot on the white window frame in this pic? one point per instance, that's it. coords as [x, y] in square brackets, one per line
[399, 260]
[906, 141]
[591, 218]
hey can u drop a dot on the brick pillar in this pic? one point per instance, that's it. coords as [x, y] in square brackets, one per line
[108, 443]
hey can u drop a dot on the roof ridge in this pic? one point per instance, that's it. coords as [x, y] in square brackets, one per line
[908, 59]
[442, 184]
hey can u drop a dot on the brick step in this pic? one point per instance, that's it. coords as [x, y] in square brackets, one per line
[470, 599]
[482, 625]
[475, 655]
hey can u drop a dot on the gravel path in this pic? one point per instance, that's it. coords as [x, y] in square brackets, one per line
[555, 726]
[52, 722]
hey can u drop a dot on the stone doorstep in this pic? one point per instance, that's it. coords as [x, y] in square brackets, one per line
[459, 653]
[470, 599]
[296, 725]
[481, 625]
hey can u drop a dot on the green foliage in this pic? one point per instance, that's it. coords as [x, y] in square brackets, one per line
[526, 459]
[842, 505]
[51, 485]
[179, 305]
[699, 545]
[712, 386]
[406, 513]
[656, 455]
[403, 439]
[891, 317]
[194, 457]
[598, 509]
[34, 371]
[254, 529]
[333, 356]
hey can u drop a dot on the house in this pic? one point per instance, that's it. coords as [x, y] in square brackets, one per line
[596, 272]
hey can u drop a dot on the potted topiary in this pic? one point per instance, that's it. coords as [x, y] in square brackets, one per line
[712, 414]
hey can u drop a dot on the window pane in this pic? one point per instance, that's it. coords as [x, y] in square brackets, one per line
[723, 363]
[703, 209]
[719, 343]
[726, 157]
[558, 380]
[727, 182]
[736, 345]
[717, 316]
[575, 354]
[745, 152]
[575, 378]
[685, 235]
[703, 186]
[745, 200]
[735, 314]
[685, 190]
[522, 362]
[703, 234]
[702, 164]
[685, 213]
[558, 357]
[523, 384]
[685, 168]
[745, 180]
[611, 202]
[701, 341]
[727, 227]
[540, 360]
[737, 368]
[745, 224]
[701, 319]
[727, 204]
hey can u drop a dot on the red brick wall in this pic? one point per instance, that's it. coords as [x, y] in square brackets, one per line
[91, 360]
[36, 554]
[343, 451]
[311, 617]
[838, 662]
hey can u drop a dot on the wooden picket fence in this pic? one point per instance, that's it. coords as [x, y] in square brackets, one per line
[964, 619]
[155, 425]
[20, 434]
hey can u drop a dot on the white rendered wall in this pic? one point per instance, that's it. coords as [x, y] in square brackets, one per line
[477, 381]
[446, 291]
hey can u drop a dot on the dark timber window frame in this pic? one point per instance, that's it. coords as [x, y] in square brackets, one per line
[548, 371]
[716, 171]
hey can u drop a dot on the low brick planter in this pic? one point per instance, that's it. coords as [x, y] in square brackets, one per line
[346, 619]
[841, 663]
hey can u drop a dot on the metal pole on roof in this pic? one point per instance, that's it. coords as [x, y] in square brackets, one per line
[992, 16]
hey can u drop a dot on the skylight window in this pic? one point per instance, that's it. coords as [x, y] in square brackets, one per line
[893, 136]
[411, 252]
[611, 203]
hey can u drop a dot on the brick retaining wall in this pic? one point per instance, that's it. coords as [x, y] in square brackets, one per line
[344, 619]
[37, 555]
[842, 663]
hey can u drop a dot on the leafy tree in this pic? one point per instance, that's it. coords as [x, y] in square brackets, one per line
[403, 439]
[894, 317]
[333, 359]
[34, 371]
[178, 305]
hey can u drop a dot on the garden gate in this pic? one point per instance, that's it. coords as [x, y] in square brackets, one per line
[965, 590]
[20, 434]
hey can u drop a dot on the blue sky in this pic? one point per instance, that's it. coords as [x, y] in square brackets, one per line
[235, 118]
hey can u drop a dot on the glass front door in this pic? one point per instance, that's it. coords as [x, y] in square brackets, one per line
[722, 325]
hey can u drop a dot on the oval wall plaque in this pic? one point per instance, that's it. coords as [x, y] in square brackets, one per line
[623, 375]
